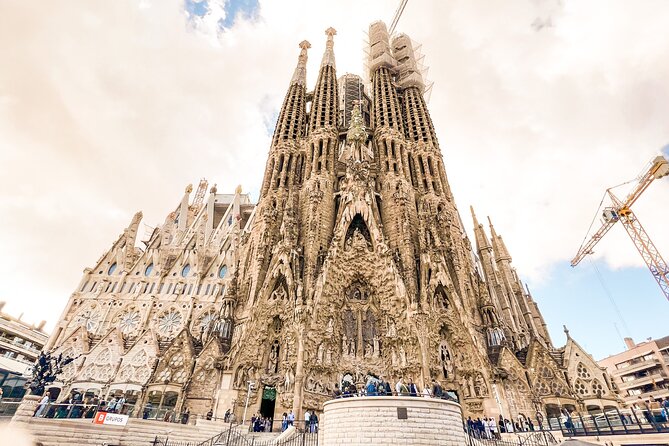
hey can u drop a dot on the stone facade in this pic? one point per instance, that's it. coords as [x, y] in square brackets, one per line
[354, 264]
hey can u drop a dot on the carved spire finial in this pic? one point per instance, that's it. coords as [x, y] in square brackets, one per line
[300, 75]
[328, 56]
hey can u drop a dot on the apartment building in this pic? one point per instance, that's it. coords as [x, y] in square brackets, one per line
[642, 370]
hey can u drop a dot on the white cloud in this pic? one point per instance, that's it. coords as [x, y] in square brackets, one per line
[111, 107]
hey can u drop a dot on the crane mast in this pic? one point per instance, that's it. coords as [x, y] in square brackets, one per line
[621, 211]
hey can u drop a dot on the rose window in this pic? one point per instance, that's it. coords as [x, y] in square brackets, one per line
[140, 358]
[129, 321]
[89, 318]
[177, 360]
[164, 375]
[104, 357]
[581, 389]
[180, 376]
[169, 322]
[142, 374]
[207, 320]
[597, 388]
[582, 371]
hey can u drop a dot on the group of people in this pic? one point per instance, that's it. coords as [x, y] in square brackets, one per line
[491, 429]
[653, 410]
[260, 424]
[381, 387]
[78, 406]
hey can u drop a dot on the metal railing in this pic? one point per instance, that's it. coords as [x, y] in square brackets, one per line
[541, 438]
[613, 422]
[233, 436]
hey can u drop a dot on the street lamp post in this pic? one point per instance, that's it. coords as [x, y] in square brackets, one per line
[250, 387]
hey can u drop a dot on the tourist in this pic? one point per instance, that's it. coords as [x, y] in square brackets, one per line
[502, 425]
[43, 404]
[210, 414]
[313, 423]
[426, 392]
[226, 416]
[486, 428]
[381, 387]
[307, 415]
[530, 425]
[169, 416]
[284, 421]
[336, 393]
[111, 406]
[291, 418]
[493, 429]
[389, 389]
[119, 404]
[400, 388]
[470, 426]
[413, 391]
[508, 425]
[147, 410]
[252, 424]
[437, 390]
[185, 416]
[371, 388]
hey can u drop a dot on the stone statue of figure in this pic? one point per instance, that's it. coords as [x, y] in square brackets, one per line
[403, 356]
[289, 379]
[392, 330]
[330, 328]
[344, 345]
[377, 348]
[393, 357]
[319, 356]
[328, 355]
[273, 365]
[368, 350]
[351, 347]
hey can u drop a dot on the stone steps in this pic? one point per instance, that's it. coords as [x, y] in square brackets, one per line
[54, 432]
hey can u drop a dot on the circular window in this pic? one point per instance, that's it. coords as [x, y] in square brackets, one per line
[223, 272]
[148, 270]
[111, 269]
[185, 270]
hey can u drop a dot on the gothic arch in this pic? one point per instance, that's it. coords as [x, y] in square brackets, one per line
[358, 225]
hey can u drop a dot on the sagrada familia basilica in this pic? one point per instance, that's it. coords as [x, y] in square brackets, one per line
[353, 265]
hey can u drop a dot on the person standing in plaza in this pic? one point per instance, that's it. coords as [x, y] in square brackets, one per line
[291, 418]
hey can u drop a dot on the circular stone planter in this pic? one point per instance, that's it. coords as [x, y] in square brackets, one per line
[390, 420]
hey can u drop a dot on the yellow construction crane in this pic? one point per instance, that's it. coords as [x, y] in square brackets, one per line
[620, 211]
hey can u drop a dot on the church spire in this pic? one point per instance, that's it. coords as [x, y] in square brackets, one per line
[482, 242]
[324, 109]
[292, 117]
[498, 246]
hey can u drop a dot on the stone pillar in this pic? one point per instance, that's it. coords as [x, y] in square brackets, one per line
[26, 409]
[387, 420]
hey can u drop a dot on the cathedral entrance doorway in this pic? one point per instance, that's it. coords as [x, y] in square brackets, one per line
[268, 402]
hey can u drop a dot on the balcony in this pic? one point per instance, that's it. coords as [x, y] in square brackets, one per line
[641, 365]
[656, 393]
[643, 380]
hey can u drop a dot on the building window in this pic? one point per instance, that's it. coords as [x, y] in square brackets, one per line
[223, 271]
[185, 270]
[148, 270]
[111, 269]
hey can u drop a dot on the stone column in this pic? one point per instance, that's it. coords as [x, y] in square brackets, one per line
[26, 409]
[299, 367]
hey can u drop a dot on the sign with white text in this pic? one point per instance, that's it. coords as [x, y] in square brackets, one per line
[110, 418]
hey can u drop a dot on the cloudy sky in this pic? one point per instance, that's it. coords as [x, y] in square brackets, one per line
[107, 108]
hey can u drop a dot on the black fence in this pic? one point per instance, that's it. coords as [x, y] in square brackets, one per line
[612, 422]
[542, 438]
[233, 437]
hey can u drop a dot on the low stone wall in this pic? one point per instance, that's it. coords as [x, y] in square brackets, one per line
[385, 420]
